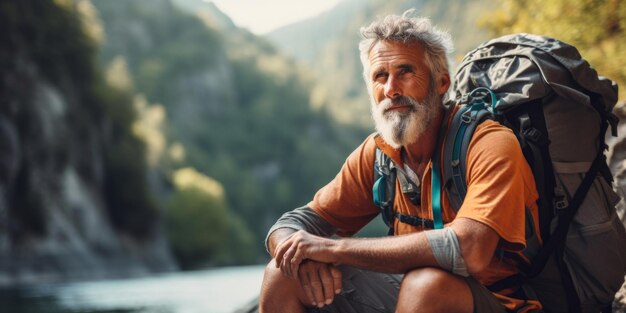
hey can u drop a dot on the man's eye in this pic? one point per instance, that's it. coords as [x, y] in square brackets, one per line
[380, 77]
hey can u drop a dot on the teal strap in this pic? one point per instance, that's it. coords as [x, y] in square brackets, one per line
[378, 191]
[435, 185]
[436, 195]
[467, 115]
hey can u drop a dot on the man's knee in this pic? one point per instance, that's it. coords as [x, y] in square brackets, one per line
[431, 289]
[426, 279]
[279, 291]
[271, 271]
[273, 280]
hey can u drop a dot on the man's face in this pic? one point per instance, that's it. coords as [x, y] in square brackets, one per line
[405, 98]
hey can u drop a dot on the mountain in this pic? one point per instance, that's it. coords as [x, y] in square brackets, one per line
[239, 108]
[328, 46]
[207, 12]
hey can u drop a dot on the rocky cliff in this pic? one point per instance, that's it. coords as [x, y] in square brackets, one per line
[63, 134]
[617, 163]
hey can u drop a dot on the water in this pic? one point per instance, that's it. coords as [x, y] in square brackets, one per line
[211, 291]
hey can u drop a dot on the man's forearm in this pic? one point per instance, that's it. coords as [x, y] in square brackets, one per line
[470, 251]
[397, 254]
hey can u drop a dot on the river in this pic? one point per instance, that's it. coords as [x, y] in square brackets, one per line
[220, 290]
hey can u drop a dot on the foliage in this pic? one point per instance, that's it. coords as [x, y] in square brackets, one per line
[131, 207]
[196, 224]
[240, 110]
[158, 43]
[597, 28]
[201, 229]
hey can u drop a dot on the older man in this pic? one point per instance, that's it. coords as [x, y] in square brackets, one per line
[419, 269]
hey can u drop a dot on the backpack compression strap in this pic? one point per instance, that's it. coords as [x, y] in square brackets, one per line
[556, 243]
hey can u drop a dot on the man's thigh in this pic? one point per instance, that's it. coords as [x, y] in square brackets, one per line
[364, 292]
[371, 292]
[484, 300]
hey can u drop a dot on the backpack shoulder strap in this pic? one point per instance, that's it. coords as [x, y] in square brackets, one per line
[383, 191]
[455, 146]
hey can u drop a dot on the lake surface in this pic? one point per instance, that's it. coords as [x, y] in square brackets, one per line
[220, 290]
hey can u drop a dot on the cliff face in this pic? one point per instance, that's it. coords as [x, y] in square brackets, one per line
[617, 158]
[56, 131]
[617, 163]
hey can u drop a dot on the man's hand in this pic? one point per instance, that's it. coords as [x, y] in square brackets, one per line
[301, 246]
[320, 282]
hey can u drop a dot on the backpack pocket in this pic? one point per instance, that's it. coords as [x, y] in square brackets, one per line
[595, 248]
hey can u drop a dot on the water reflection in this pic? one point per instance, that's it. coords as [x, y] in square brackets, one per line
[212, 291]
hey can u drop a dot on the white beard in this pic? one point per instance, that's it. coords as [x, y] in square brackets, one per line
[403, 128]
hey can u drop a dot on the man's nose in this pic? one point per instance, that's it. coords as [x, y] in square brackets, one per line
[392, 88]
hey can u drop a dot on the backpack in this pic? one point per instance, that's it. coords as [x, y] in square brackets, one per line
[559, 110]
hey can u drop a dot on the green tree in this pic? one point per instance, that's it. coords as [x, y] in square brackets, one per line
[201, 229]
[596, 27]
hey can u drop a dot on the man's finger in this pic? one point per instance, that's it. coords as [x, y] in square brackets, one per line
[317, 288]
[287, 258]
[336, 274]
[305, 282]
[327, 284]
[278, 253]
[280, 249]
[296, 260]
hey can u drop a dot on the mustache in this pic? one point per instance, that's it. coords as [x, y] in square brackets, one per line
[399, 101]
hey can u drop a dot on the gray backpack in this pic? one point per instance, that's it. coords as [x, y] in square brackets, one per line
[560, 110]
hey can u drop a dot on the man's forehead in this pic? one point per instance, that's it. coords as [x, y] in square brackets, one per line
[389, 51]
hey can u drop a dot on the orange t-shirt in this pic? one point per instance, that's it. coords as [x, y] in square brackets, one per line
[500, 186]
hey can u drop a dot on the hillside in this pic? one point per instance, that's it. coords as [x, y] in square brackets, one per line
[328, 46]
[240, 110]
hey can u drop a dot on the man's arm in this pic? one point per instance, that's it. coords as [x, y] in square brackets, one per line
[302, 218]
[320, 281]
[397, 254]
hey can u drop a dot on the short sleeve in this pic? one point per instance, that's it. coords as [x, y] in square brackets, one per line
[346, 201]
[499, 184]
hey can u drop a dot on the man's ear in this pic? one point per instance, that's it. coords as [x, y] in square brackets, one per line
[443, 83]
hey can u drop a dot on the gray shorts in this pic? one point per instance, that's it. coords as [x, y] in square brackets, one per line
[371, 292]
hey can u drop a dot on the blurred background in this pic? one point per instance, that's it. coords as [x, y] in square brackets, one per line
[146, 146]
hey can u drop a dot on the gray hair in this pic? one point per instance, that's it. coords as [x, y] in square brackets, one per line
[406, 29]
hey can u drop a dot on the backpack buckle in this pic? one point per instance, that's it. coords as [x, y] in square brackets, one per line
[560, 203]
[534, 135]
[468, 116]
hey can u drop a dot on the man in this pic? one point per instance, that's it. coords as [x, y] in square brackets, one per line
[418, 269]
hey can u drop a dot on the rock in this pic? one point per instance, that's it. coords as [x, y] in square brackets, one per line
[617, 163]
